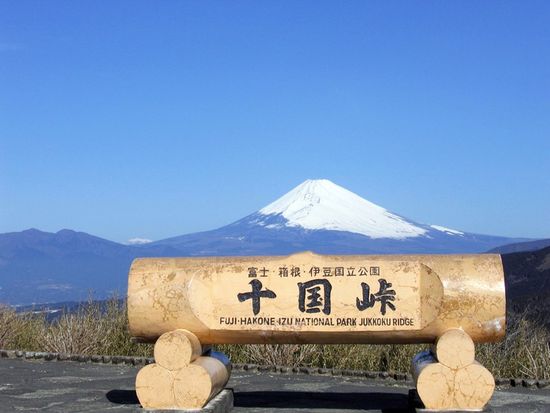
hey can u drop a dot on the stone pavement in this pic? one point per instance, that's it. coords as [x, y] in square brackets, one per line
[55, 386]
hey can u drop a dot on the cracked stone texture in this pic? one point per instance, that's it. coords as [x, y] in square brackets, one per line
[37, 385]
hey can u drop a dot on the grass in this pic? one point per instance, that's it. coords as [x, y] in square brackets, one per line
[94, 328]
[102, 329]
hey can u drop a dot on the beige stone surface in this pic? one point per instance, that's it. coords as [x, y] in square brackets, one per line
[192, 387]
[475, 386]
[198, 383]
[434, 383]
[440, 387]
[189, 387]
[155, 387]
[180, 379]
[309, 298]
[455, 349]
[176, 349]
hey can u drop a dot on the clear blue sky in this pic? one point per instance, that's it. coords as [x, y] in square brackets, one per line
[155, 119]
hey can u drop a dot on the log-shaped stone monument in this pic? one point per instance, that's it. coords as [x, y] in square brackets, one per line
[450, 301]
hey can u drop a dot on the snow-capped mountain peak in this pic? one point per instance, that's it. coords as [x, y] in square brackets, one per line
[321, 204]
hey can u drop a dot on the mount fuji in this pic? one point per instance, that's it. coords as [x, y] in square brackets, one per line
[323, 217]
[317, 215]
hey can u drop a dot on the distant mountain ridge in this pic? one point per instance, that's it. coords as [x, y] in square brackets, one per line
[522, 246]
[527, 278]
[317, 215]
[40, 267]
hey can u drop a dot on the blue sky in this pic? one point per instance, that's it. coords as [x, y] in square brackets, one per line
[155, 119]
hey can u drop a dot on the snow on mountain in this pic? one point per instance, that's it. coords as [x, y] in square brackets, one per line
[322, 205]
[446, 230]
[323, 217]
[138, 241]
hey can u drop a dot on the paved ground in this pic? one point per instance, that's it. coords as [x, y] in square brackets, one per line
[86, 387]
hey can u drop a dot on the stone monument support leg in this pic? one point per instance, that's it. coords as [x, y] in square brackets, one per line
[449, 378]
[185, 375]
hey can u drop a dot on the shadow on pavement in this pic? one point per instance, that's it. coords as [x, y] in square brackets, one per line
[386, 402]
[122, 397]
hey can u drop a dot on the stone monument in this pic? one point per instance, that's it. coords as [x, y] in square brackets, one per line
[187, 304]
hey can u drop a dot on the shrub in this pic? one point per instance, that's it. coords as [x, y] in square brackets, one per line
[101, 328]
[94, 328]
[21, 331]
[524, 352]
